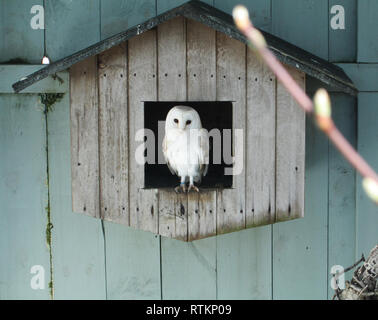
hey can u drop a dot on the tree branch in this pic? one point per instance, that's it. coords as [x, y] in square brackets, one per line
[320, 108]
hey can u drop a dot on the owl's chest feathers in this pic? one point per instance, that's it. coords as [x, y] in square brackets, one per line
[183, 152]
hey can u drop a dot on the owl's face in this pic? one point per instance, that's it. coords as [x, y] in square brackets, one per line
[183, 118]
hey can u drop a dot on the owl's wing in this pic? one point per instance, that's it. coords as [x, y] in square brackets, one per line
[203, 152]
[165, 148]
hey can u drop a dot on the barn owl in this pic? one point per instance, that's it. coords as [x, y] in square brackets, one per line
[186, 146]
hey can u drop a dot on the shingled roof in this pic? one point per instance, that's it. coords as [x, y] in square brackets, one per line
[287, 53]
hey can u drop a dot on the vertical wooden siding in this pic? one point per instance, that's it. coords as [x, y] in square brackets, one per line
[23, 196]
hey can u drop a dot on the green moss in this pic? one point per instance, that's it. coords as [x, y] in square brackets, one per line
[16, 61]
[48, 99]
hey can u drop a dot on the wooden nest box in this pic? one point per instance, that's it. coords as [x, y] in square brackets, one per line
[191, 55]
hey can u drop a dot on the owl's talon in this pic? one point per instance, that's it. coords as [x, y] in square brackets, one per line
[192, 186]
[180, 188]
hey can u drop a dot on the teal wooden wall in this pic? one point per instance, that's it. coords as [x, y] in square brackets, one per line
[96, 260]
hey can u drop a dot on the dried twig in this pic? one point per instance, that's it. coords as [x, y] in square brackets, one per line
[353, 266]
[321, 106]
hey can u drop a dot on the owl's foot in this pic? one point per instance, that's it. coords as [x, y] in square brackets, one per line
[180, 188]
[192, 186]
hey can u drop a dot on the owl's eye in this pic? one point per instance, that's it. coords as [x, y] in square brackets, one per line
[175, 120]
[188, 122]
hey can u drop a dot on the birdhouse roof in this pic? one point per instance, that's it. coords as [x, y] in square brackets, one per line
[287, 53]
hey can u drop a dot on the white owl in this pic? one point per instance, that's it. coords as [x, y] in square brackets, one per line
[186, 146]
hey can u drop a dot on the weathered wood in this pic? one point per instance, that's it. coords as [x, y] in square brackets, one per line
[18, 40]
[23, 196]
[201, 63]
[173, 208]
[119, 15]
[142, 87]
[183, 60]
[295, 22]
[290, 153]
[244, 264]
[260, 143]
[231, 80]
[202, 212]
[53, 84]
[74, 23]
[189, 269]
[113, 135]
[260, 11]
[364, 76]
[132, 263]
[301, 245]
[173, 214]
[197, 259]
[201, 71]
[210, 16]
[84, 137]
[367, 145]
[78, 255]
[367, 31]
[342, 188]
[343, 42]
[164, 5]
[172, 60]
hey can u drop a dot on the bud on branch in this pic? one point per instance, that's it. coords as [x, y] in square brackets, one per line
[321, 108]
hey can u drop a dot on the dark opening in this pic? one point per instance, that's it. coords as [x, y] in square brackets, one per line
[213, 115]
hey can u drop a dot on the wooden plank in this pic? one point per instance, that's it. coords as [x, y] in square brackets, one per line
[343, 42]
[113, 135]
[165, 5]
[173, 214]
[142, 77]
[231, 81]
[132, 263]
[18, 40]
[202, 212]
[77, 240]
[23, 197]
[260, 139]
[290, 153]
[342, 188]
[74, 23]
[201, 73]
[300, 246]
[296, 20]
[119, 15]
[244, 264]
[259, 11]
[172, 60]
[201, 62]
[173, 208]
[367, 31]
[9, 74]
[84, 137]
[366, 210]
[188, 269]
[364, 76]
[197, 259]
